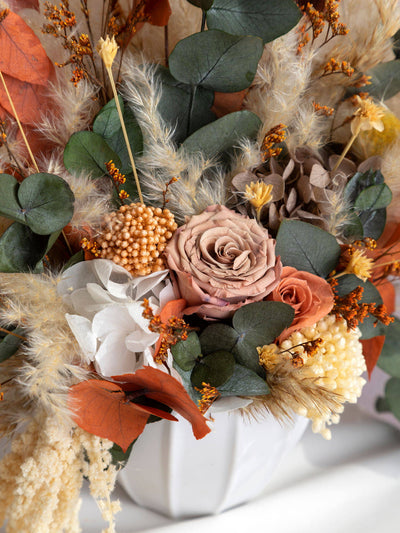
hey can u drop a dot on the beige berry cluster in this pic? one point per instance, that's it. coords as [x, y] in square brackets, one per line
[135, 237]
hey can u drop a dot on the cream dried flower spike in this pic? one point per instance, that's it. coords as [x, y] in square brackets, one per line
[107, 50]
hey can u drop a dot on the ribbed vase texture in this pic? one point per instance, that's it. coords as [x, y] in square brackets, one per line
[172, 473]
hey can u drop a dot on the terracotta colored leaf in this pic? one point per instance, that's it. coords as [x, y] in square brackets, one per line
[159, 12]
[28, 98]
[101, 408]
[225, 103]
[173, 308]
[372, 347]
[17, 5]
[165, 389]
[22, 54]
[372, 350]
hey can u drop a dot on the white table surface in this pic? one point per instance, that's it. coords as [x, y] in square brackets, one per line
[350, 484]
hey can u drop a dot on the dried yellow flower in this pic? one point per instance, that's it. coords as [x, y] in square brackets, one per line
[107, 50]
[258, 194]
[360, 265]
[367, 116]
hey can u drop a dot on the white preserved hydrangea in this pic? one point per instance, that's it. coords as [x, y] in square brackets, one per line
[336, 366]
[105, 304]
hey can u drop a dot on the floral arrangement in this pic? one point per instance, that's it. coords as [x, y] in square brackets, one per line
[198, 207]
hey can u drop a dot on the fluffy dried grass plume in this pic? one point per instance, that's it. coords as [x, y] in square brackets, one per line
[76, 108]
[92, 197]
[279, 91]
[199, 182]
[40, 374]
[376, 39]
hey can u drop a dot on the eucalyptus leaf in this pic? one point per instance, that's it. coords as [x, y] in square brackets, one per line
[244, 382]
[267, 20]
[382, 405]
[353, 229]
[374, 197]
[118, 144]
[107, 122]
[88, 152]
[216, 60]
[44, 202]
[392, 396]
[76, 258]
[119, 457]
[389, 360]
[222, 135]
[9, 205]
[385, 80]
[184, 108]
[373, 222]
[369, 327]
[21, 249]
[10, 343]
[361, 181]
[214, 369]
[218, 337]
[258, 324]
[186, 352]
[185, 376]
[203, 4]
[306, 247]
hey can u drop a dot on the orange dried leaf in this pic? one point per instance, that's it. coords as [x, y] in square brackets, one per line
[29, 99]
[225, 103]
[158, 11]
[173, 308]
[100, 407]
[372, 350]
[22, 54]
[17, 5]
[165, 389]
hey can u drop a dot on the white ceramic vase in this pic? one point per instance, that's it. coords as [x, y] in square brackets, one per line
[172, 473]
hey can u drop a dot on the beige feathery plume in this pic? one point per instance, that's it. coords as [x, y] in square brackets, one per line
[199, 184]
[278, 90]
[39, 376]
[353, 46]
[92, 197]
[76, 108]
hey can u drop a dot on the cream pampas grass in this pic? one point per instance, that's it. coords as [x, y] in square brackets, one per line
[279, 92]
[199, 183]
[76, 108]
[92, 196]
[48, 363]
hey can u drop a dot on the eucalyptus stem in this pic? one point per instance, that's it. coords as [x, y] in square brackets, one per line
[121, 118]
[346, 149]
[13, 334]
[18, 122]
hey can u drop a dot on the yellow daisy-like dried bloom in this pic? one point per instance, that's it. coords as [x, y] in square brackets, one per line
[258, 194]
[107, 50]
[373, 142]
[319, 386]
[367, 116]
[360, 265]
